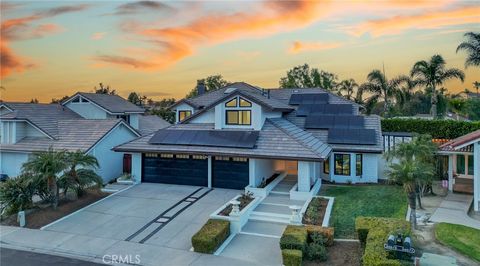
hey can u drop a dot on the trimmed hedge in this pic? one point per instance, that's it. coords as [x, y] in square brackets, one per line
[292, 257]
[211, 236]
[294, 237]
[438, 129]
[326, 232]
[373, 232]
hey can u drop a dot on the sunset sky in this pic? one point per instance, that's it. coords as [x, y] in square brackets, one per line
[160, 49]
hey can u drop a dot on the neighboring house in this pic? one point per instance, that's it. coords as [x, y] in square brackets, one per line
[239, 135]
[464, 165]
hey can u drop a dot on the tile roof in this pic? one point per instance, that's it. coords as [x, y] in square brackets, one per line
[150, 123]
[112, 103]
[454, 144]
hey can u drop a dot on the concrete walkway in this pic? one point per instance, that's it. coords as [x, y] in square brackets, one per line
[454, 209]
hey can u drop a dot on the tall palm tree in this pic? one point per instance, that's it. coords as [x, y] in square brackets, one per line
[472, 47]
[404, 92]
[381, 88]
[80, 172]
[476, 85]
[432, 74]
[47, 166]
[347, 87]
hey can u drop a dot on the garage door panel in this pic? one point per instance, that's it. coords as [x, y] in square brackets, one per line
[230, 174]
[175, 171]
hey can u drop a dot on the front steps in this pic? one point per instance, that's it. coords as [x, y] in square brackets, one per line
[262, 228]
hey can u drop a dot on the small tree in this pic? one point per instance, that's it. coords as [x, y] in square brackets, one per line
[80, 174]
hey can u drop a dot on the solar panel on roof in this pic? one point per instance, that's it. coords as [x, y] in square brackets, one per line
[308, 98]
[333, 109]
[214, 138]
[334, 121]
[352, 136]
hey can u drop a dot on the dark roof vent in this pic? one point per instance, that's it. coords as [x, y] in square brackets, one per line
[201, 87]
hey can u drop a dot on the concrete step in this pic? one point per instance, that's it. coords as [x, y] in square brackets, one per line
[281, 199]
[274, 209]
[279, 193]
[271, 220]
[263, 228]
[269, 214]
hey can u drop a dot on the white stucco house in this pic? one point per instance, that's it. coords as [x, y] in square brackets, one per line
[240, 135]
[91, 123]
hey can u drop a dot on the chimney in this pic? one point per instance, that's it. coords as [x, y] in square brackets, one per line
[200, 87]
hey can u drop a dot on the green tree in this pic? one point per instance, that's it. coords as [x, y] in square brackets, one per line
[433, 74]
[213, 82]
[347, 88]
[472, 47]
[381, 88]
[79, 173]
[303, 76]
[47, 166]
[472, 108]
[164, 113]
[104, 89]
[55, 100]
[476, 86]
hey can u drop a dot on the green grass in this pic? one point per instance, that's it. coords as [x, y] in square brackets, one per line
[463, 239]
[369, 200]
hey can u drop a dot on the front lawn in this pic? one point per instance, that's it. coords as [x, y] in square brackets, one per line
[460, 238]
[364, 200]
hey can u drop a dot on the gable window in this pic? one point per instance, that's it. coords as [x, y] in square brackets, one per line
[461, 164]
[245, 103]
[183, 114]
[239, 117]
[359, 164]
[326, 166]
[76, 100]
[231, 103]
[126, 118]
[342, 164]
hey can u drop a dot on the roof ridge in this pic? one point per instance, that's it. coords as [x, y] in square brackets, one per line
[321, 153]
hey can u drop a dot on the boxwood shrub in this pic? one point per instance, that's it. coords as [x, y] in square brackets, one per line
[438, 129]
[294, 237]
[211, 236]
[373, 233]
[326, 232]
[292, 257]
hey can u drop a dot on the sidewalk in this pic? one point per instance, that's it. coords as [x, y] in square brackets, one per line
[454, 209]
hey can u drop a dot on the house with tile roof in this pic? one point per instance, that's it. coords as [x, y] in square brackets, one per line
[86, 122]
[242, 136]
[464, 165]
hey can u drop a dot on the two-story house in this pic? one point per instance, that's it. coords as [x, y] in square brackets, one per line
[240, 136]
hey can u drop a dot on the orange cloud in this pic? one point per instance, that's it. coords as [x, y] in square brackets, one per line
[430, 20]
[299, 47]
[98, 35]
[172, 44]
[22, 29]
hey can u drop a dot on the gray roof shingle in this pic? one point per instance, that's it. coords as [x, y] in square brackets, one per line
[150, 123]
[112, 103]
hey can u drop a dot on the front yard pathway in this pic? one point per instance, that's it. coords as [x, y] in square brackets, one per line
[454, 209]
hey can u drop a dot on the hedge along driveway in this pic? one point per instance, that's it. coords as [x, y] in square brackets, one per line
[364, 200]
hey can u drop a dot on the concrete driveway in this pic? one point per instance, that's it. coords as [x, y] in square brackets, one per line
[154, 221]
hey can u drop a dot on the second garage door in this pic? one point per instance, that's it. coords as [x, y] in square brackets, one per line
[175, 169]
[230, 172]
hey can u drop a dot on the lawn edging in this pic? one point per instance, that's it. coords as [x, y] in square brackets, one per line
[81, 209]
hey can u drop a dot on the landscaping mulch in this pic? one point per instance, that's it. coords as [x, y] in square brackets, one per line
[341, 254]
[41, 216]
[315, 211]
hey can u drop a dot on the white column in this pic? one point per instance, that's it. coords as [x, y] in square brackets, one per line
[303, 176]
[450, 172]
[251, 172]
[476, 176]
[209, 171]
[137, 167]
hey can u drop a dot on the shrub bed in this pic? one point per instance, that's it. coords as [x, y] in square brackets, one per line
[326, 232]
[308, 241]
[211, 236]
[294, 237]
[315, 211]
[292, 257]
[438, 129]
[373, 233]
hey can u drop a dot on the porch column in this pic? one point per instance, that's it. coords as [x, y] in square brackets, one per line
[251, 172]
[476, 176]
[304, 176]
[209, 171]
[137, 167]
[450, 172]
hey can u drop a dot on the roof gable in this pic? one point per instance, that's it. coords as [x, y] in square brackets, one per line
[112, 104]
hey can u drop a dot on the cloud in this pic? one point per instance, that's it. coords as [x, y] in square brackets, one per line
[22, 28]
[427, 20]
[171, 44]
[98, 35]
[299, 47]
[140, 6]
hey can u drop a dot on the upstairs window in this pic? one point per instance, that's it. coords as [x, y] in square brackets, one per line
[183, 114]
[245, 103]
[76, 100]
[126, 118]
[238, 117]
[231, 103]
[238, 102]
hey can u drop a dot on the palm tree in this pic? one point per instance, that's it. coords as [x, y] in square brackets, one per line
[47, 165]
[349, 86]
[79, 179]
[381, 88]
[472, 47]
[432, 74]
[476, 85]
[404, 92]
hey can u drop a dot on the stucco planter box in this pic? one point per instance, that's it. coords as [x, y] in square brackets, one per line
[237, 222]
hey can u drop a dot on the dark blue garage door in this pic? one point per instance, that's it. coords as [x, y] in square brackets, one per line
[228, 172]
[175, 169]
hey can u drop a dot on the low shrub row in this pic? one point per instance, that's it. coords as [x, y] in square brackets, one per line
[305, 242]
[373, 233]
[438, 129]
[211, 236]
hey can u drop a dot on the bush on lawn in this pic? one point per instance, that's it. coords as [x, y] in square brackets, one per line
[292, 257]
[211, 236]
[294, 237]
[438, 129]
[16, 194]
[373, 233]
[326, 232]
[316, 248]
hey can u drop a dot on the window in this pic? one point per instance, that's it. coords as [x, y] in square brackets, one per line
[183, 114]
[359, 164]
[124, 117]
[222, 158]
[231, 103]
[76, 100]
[470, 165]
[342, 164]
[166, 155]
[182, 156]
[238, 117]
[151, 155]
[461, 164]
[199, 157]
[245, 103]
[326, 166]
[239, 159]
